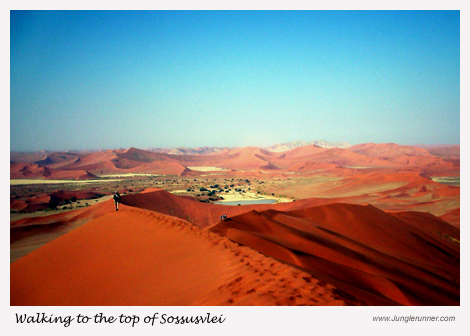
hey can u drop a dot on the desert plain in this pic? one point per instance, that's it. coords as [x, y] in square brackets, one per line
[369, 224]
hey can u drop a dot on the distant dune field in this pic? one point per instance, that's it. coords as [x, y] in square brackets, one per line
[370, 224]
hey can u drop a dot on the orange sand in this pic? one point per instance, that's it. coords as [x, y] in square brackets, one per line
[137, 257]
[379, 258]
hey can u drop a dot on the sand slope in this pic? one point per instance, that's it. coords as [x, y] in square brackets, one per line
[373, 257]
[387, 150]
[138, 257]
[33, 170]
[378, 258]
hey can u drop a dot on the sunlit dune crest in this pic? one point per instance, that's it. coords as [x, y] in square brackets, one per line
[138, 257]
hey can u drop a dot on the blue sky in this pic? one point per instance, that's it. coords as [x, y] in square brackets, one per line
[119, 79]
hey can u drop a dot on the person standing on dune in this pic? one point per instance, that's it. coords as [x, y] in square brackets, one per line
[117, 200]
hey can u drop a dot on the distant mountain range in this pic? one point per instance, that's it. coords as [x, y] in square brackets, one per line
[188, 151]
[299, 143]
[282, 147]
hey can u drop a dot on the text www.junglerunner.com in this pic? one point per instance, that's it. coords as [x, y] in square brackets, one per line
[411, 318]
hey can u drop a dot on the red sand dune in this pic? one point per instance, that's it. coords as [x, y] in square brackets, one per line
[18, 204]
[377, 180]
[315, 167]
[199, 213]
[98, 168]
[133, 157]
[138, 257]
[420, 161]
[409, 156]
[70, 175]
[77, 194]
[160, 167]
[246, 158]
[138, 155]
[372, 257]
[36, 203]
[95, 162]
[452, 217]
[161, 201]
[347, 158]
[388, 150]
[58, 159]
[393, 190]
[353, 191]
[26, 157]
[377, 258]
[86, 214]
[446, 152]
[30, 233]
[132, 160]
[35, 171]
[29, 170]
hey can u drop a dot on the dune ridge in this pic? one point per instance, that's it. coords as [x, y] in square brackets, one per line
[138, 257]
[203, 214]
[379, 258]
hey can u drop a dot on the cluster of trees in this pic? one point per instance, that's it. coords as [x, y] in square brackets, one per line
[216, 188]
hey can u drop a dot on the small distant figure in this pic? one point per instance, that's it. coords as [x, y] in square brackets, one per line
[117, 200]
[223, 217]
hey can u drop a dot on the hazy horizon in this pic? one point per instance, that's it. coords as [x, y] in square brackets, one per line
[84, 80]
[203, 146]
